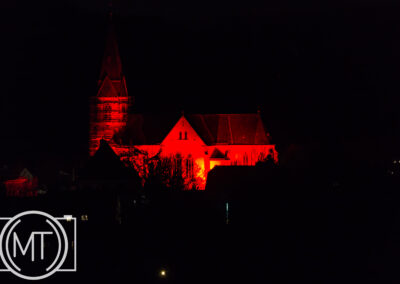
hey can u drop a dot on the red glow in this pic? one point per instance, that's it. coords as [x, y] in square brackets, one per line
[109, 108]
[21, 187]
[232, 139]
[107, 117]
[196, 155]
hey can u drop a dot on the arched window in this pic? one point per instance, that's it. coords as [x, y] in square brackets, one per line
[189, 167]
[180, 135]
[185, 135]
[178, 164]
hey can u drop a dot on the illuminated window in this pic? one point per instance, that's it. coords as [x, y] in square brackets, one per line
[178, 164]
[189, 167]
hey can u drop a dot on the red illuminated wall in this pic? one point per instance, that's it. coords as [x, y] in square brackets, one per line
[21, 187]
[109, 108]
[183, 142]
[244, 155]
[108, 114]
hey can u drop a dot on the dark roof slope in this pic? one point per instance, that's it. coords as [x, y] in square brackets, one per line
[106, 165]
[146, 129]
[231, 129]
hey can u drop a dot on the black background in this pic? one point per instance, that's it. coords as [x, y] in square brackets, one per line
[325, 74]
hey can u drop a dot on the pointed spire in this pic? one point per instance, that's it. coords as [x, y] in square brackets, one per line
[111, 64]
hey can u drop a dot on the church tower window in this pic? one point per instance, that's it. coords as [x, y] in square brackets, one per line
[107, 112]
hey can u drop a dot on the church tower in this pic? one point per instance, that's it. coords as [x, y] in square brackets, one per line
[109, 108]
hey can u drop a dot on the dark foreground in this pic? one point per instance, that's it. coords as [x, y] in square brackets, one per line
[339, 234]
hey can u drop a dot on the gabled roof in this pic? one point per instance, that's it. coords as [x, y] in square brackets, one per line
[106, 165]
[182, 126]
[213, 129]
[26, 174]
[107, 88]
[217, 154]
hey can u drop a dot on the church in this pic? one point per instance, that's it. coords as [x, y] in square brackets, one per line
[189, 144]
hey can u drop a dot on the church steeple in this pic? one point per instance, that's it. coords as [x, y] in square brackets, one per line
[109, 108]
[111, 65]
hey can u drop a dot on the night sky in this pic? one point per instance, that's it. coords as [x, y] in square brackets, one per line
[324, 73]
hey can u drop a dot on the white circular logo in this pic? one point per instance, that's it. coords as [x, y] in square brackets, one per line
[33, 245]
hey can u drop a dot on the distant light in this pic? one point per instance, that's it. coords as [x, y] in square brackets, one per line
[84, 218]
[163, 273]
[394, 162]
[68, 218]
[227, 213]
